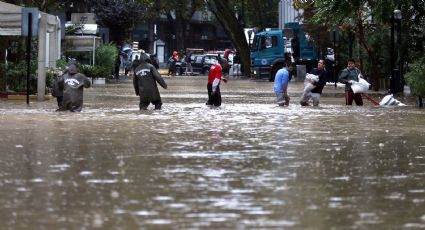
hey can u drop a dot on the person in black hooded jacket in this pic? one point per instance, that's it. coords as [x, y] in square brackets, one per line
[144, 81]
[57, 91]
[72, 85]
[315, 93]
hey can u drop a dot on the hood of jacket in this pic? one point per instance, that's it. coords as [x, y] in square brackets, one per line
[72, 69]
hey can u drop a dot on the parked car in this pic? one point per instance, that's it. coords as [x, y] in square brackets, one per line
[201, 63]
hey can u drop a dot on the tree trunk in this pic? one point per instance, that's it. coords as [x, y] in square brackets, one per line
[234, 31]
[151, 38]
[180, 26]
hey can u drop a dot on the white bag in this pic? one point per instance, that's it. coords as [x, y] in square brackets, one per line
[389, 100]
[362, 86]
[307, 85]
[312, 77]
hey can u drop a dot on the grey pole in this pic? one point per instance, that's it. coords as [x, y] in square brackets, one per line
[41, 76]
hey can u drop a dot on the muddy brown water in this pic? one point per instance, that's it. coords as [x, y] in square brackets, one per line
[247, 165]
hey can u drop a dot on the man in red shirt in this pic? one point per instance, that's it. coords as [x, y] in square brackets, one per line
[213, 86]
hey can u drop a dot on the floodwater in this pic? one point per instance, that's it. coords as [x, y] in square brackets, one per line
[247, 165]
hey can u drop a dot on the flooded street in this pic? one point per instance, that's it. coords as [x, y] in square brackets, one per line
[247, 165]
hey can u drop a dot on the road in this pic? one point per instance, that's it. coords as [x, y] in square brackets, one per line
[247, 165]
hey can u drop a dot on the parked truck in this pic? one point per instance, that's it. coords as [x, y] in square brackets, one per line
[272, 48]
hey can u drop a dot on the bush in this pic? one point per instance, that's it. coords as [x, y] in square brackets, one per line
[89, 71]
[105, 56]
[14, 79]
[105, 59]
[61, 64]
[415, 77]
[53, 73]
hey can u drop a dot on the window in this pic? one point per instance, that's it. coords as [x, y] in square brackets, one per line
[254, 44]
[198, 59]
[268, 42]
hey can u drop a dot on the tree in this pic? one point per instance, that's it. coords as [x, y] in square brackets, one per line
[415, 75]
[261, 13]
[119, 15]
[349, 16]
[415, 35]
[370, 21]
[177, 12]
[45, 5]
[226, 16]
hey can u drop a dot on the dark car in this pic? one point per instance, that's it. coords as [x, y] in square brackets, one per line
[201, 63]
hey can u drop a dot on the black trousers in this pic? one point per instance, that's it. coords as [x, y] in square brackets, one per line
[143, 105]
[213, 99]
[59, 101]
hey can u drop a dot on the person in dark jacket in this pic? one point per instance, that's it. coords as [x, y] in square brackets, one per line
[347, 77]
[154, 61]
[57, 91]
[172, 63]
[72, 84]
[144, 81]
[315, 93]
[188, 59]
[117, 67]
[136, 62]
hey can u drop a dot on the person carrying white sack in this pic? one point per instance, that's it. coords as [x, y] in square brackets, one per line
[313, 85]
[309, 81]
[349, 76]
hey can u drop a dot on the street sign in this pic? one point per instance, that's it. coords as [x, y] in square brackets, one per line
[29, 15]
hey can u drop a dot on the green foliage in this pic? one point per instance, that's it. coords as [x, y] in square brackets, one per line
[61, 64]
[379, 39]
[106, 55]
[261, 14]
[119, 15]
[81, 57]
[105, 59]
[415, 77]
[45, 5]
[14, 79]
[51, 75]
[91, 71]
[74, 29]
[416, 43]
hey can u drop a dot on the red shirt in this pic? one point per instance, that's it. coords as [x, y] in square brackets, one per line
[215, 72]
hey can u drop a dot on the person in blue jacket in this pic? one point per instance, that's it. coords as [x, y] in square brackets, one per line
[281, 82]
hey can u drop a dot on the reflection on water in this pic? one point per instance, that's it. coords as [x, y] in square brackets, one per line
[248, 164]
